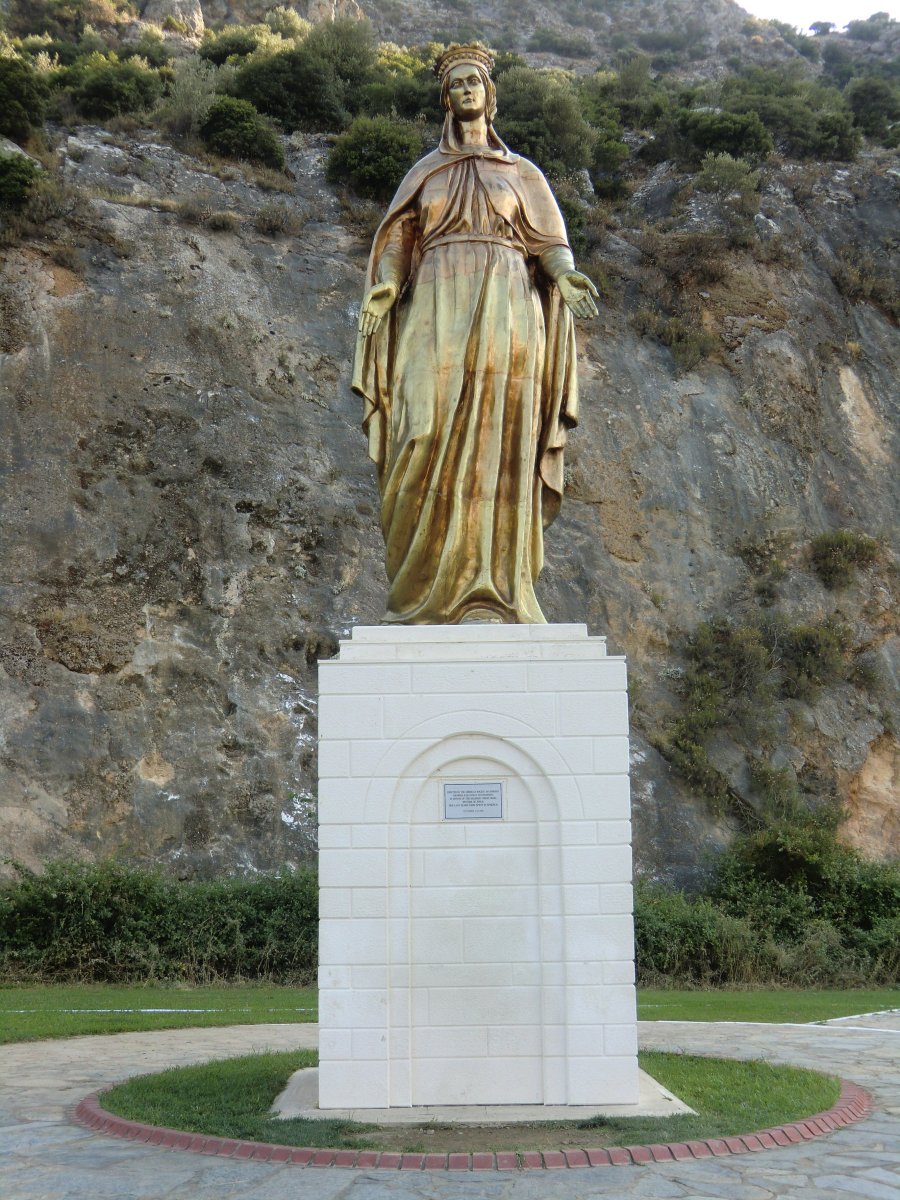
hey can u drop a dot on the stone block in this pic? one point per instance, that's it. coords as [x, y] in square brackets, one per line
[478, 959]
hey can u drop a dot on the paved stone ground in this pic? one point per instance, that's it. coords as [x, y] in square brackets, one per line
[45, 1157]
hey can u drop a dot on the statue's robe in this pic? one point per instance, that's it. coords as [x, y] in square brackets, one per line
[469, 385]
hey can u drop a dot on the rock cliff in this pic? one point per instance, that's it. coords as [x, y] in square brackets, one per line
[191, 518]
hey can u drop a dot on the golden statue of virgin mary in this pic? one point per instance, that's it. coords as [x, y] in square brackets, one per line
[465, 360]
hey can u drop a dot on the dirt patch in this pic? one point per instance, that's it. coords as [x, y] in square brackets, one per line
[441, 1139]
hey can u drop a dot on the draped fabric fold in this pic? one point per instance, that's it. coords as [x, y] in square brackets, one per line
[469, 385]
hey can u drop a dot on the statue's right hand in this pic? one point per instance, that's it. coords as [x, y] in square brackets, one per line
[379, 300]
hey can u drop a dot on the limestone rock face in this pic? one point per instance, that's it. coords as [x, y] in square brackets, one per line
[191, 519]
[188, 13]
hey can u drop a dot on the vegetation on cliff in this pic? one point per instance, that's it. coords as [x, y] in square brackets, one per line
[730, 185]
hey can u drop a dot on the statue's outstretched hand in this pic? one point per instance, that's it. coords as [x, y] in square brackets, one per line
[579, 293]
[379, 300]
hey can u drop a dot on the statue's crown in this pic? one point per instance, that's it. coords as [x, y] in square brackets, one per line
[474, 52]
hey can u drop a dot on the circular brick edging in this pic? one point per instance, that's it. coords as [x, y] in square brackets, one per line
[854, 1103]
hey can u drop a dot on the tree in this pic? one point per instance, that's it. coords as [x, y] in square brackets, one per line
[822, 28]
[107, 88]
[23, 95]
[539, 115]
[297, 88]
[875, 104]
[742, 135]
[191, 95]
[348, 49]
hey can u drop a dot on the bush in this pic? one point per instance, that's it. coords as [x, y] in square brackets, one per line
[540, 116]
[111, 923]
[836, 556]
[863, 277]
[287, 23]
[278, 218]
[151, 47]
[867, 31]
[234, 129]
[297, 88]
[692, 941]
[568, 45]
[191, 95]
[786, 905]
[875, 104]
[223, 221]
[688, 342]
[23, 98]
[107, 88]
[374, 155]
[807, 119]
[733, 185]
[741, 135]
[347, 48]
[234, 41]
[17, 177]
[811, 657]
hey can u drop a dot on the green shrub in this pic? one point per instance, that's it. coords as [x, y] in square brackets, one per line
[860, 276]
[741, 135]
[869, 30]
[17, 177]
[799, 868]
[234, 129]
[685, 338]
[540, 116]
[151, 47]
[692, 940]
[176, 25]
[234, 41]
[836, 556]
[786, 905]
[23, 98]
[374, 155]
[287, 23]
[734, 186]
[347, 47]
[110, 923]
[297, 88]
[105, 88]
[811, 657]
[192, 94]
[875, 104]
[568, 45]
[807, 119]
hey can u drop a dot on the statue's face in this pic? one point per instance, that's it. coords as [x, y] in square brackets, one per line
[465, 87]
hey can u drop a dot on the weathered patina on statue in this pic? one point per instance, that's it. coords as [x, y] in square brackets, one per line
[466, 362]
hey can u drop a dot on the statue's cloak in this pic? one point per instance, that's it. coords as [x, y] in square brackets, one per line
[496, 215]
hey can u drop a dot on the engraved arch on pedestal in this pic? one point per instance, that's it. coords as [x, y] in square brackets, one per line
[406, 757]
[438, 749]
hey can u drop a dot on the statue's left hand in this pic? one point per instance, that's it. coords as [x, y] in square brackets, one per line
[579, 293]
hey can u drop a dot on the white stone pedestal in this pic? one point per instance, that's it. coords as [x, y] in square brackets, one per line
[476, 940]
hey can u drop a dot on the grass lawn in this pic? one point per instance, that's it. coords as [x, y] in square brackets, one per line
[232, 1099]
[55, 1011]
[797, 1007]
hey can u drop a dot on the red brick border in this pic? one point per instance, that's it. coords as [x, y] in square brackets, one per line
[854, 1103]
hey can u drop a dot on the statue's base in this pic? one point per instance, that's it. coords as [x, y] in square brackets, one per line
[476, 941]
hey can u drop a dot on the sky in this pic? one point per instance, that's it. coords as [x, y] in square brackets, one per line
[801, 13]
